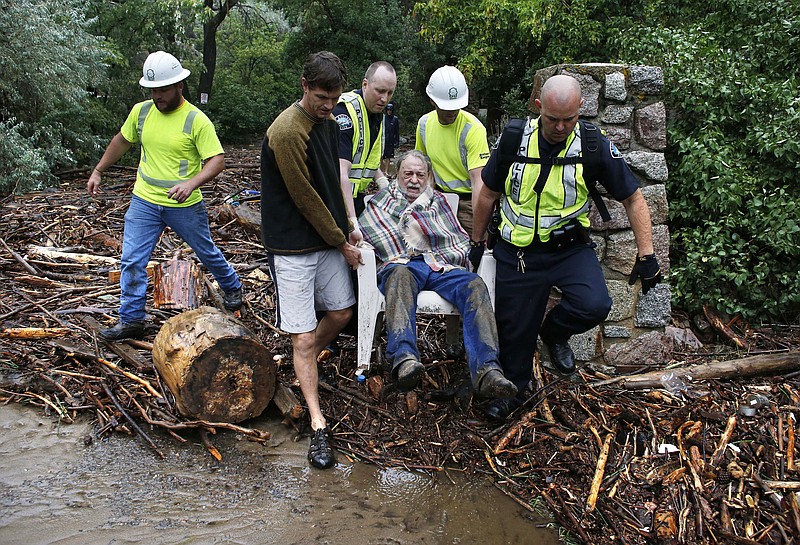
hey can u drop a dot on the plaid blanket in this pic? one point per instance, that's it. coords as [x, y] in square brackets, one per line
[428, 227]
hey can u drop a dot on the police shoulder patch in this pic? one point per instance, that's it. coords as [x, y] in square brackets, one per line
[615, 154]
[344, 122]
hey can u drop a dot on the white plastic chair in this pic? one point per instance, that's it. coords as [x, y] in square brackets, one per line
[371, 301]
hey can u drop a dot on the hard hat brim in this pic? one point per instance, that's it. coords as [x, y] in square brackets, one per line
[146, 83]
[455, 104]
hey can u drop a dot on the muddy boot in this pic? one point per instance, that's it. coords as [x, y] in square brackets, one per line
[494, 384]
[409, 374]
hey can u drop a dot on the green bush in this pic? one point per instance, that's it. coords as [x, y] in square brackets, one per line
[734, 100]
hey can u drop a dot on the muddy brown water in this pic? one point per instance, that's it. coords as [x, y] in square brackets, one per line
[55, 489]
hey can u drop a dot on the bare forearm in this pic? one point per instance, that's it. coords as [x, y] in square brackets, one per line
[482, 210]
[641, 225]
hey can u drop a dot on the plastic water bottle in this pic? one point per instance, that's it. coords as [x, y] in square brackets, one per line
[673, 383]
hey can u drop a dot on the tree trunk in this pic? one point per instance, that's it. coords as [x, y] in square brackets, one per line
[214, 366]
[210, 46]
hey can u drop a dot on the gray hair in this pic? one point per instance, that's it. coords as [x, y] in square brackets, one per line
[414, 153]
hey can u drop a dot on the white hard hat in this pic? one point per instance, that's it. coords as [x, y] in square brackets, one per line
[448, 88]
[162, 69]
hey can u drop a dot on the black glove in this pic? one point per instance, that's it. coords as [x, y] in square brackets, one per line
[476, 253]
[646, 268]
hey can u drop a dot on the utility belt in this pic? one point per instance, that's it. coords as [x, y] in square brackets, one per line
[464, 196]
[566, 236]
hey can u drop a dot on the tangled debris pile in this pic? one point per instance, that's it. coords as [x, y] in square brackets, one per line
[672, 460]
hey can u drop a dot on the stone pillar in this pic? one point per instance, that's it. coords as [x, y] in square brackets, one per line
[625, 101]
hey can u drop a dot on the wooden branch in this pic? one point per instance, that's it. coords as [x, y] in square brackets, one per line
[60, 255]
[716, 458]
[599, 471]
[131, 376]
[27, 266]
[768, 364]
[130, 420]
[287, 402]
[33, 333]
[790, 443]
[716, 321]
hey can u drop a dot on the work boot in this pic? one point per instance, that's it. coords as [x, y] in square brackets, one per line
[499, 409]
[320, 453]
[232, 300]
[409, 374]
[561, 356]
[494, 384]
[123, 330]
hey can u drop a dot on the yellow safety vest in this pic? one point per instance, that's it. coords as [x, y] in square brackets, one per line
[365, 163]
[564, 196]
[449, 151]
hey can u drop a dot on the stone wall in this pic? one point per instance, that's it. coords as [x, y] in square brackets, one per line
[625, 101]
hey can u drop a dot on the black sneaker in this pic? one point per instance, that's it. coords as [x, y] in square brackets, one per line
[232, 299]
[123, 330]
[320, 453]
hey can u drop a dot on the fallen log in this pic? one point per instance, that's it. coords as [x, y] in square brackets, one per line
[247, 215]
[745, 367]
[214, 366]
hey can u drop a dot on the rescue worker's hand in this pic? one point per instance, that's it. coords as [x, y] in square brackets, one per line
[93, 185]
[648, 269]
[476, 253]
[356, 237]
[181, 191]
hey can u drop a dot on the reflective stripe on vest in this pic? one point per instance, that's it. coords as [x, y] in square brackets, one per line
[183, 165]
[364, 165]
[564, 196]
[453, 186]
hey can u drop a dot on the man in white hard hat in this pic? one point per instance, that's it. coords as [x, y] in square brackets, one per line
[180, 152]
[455, 141]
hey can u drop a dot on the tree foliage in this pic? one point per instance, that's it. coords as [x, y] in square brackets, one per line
[48, 65]
[734, 99]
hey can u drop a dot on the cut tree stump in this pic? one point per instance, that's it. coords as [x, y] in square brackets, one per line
[177, 284]
[214, 366]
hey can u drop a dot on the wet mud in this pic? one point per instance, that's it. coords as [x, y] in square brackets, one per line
[60, 485]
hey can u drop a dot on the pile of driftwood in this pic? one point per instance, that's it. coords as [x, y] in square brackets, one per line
[704, 454]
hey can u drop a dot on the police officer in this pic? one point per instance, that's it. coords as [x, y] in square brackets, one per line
[543, 238]
[455, 141]
[359, 114]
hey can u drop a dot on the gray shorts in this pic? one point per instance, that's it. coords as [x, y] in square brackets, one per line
[307, 283]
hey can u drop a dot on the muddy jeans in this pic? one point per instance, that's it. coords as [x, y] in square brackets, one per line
[401, 283]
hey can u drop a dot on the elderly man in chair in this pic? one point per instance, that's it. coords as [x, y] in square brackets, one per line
[421, 246]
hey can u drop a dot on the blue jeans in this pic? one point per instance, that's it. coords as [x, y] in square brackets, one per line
[144, 223]
[401, 283]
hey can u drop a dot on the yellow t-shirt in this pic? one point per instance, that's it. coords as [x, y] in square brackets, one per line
[454, 149]
[173, 148]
